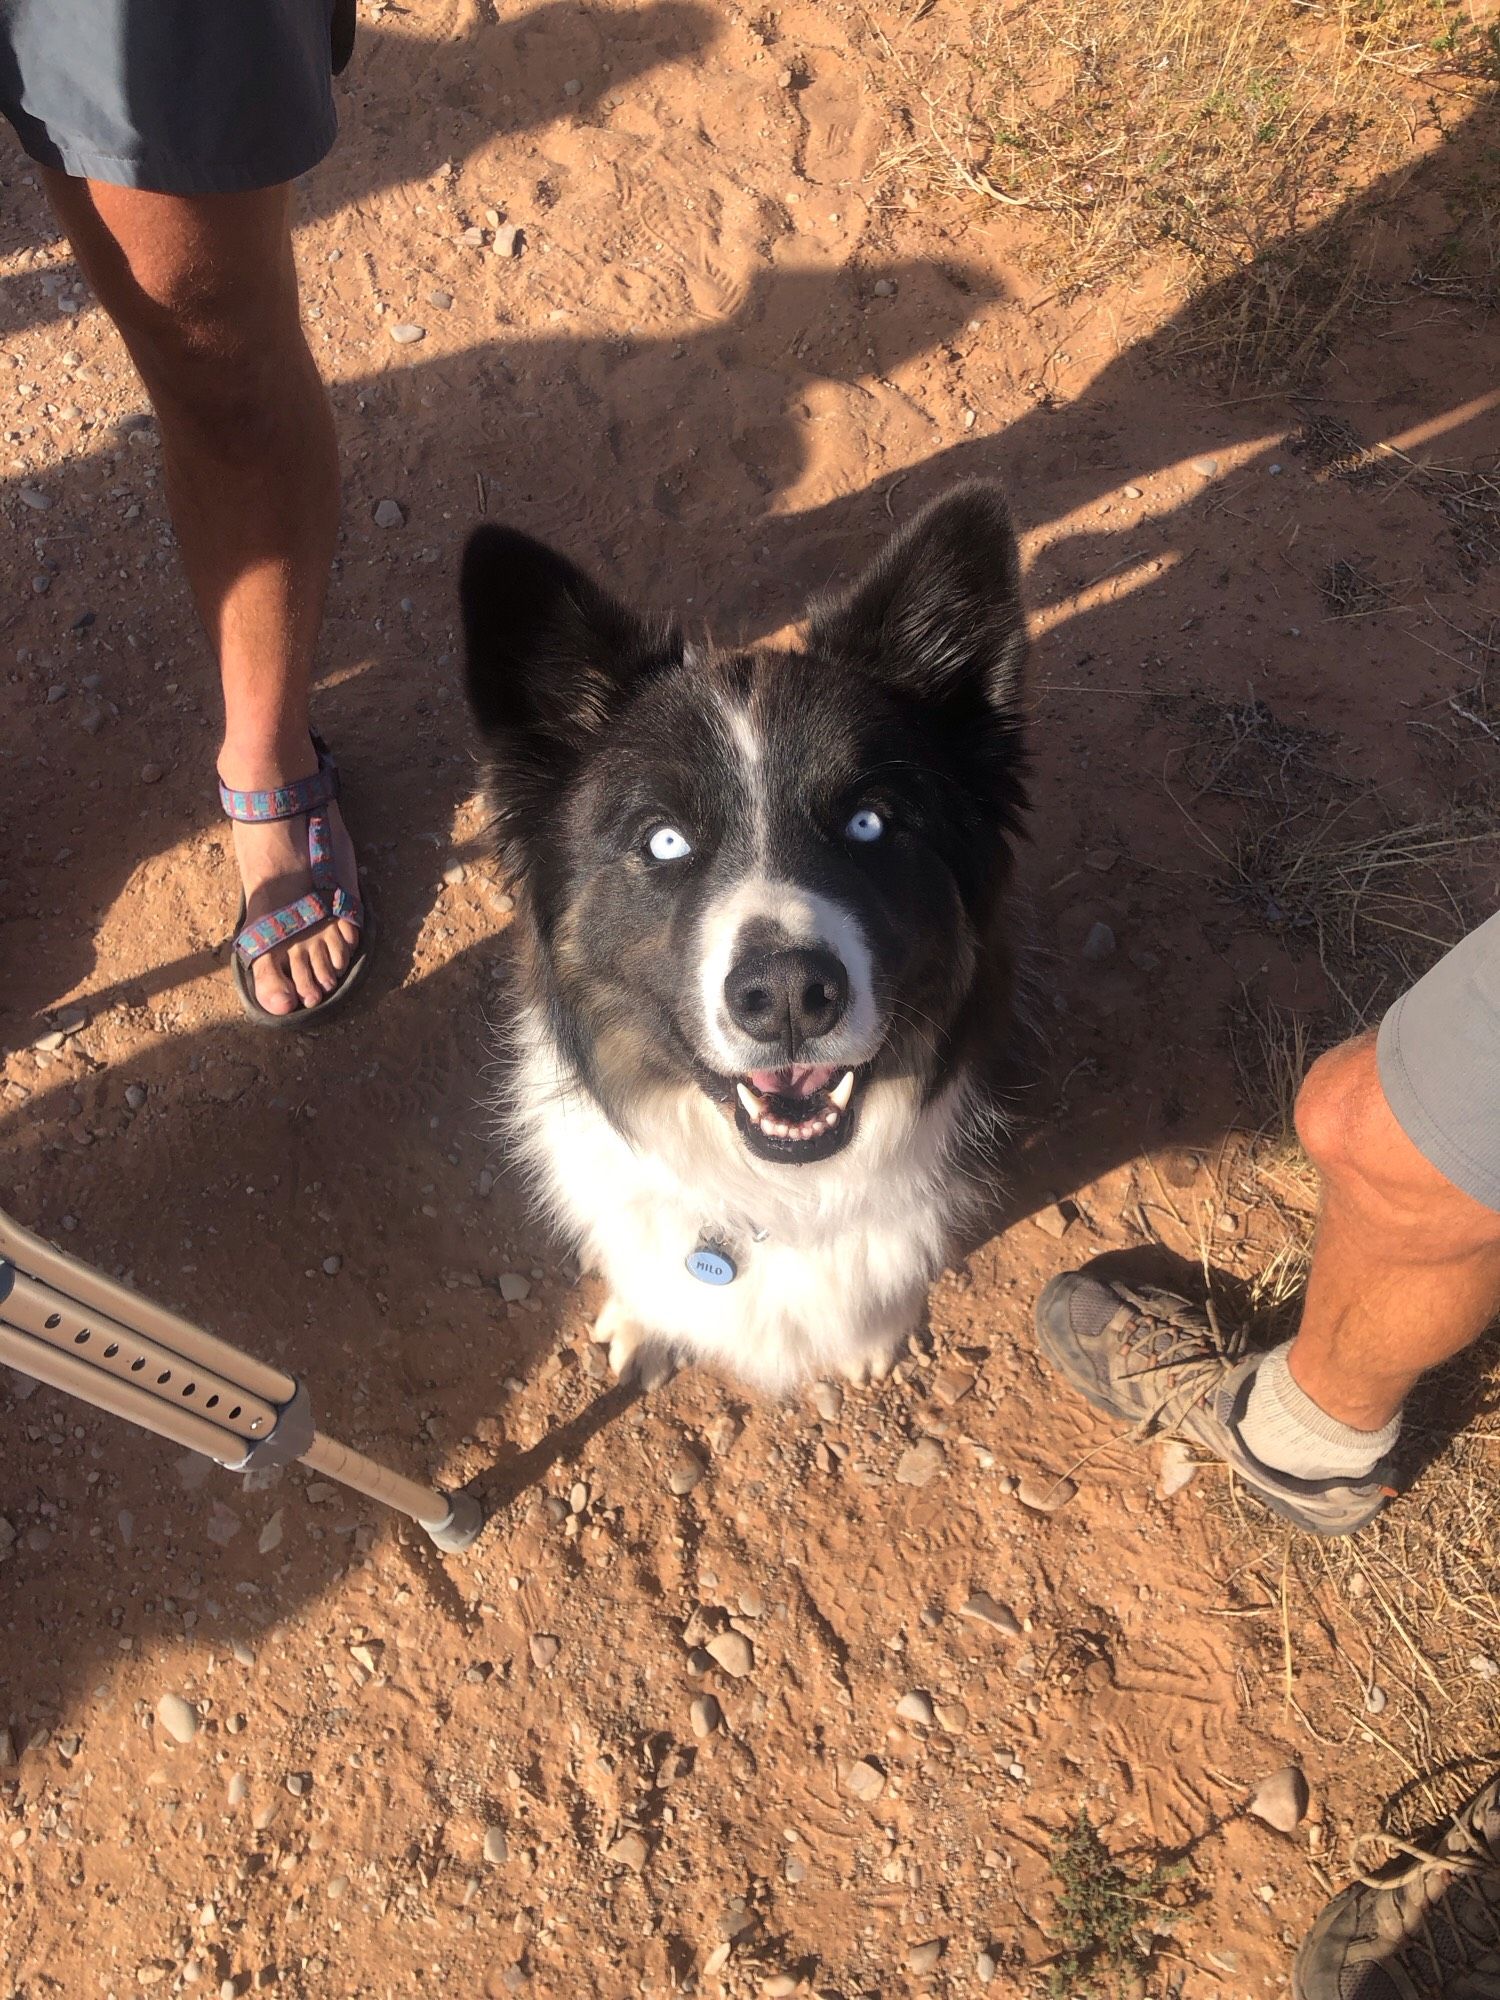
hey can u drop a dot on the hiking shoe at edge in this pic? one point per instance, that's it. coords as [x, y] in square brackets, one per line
[1153, 1360]
[1429, 1929]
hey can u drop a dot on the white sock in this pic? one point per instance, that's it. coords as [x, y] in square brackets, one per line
[1284, 1428]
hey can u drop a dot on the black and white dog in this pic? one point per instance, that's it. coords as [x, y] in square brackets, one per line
[767, 953]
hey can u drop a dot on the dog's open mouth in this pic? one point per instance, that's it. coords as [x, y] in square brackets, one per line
[806, 1112]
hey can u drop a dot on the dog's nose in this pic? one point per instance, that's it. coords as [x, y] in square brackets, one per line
[787, 997]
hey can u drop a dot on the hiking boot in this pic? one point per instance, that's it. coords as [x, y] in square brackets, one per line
[1429, 1930]
[1157, 1363]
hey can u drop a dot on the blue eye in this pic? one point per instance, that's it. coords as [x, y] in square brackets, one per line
[667, 844]
[866, 825]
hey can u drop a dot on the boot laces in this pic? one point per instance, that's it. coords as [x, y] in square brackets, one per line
[1465, 1851]
[1188, 1351]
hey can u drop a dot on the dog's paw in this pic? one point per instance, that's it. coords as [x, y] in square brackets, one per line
[871, 1366]
[633, 1353]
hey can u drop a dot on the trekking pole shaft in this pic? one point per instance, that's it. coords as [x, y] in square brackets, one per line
[61, 1370]
[351, 1468]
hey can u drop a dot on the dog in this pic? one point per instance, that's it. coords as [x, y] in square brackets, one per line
[766, 991]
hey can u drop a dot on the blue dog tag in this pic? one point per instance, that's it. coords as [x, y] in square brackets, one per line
[712, 1267]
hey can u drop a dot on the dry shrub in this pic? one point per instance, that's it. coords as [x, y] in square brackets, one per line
[1218, 138]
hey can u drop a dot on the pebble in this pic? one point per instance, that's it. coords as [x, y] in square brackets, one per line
[1044, 1494]
[1176, 1468]
[39, 1539]
[985, 1965]
[34, 498]
[951, 1384]
[983, 1609]
[779, 1985]
[297, 1783]
[178, 1717]
[406, 334]
[544, 1648]
[239, 1789]
[629, 1851]
[151, 774]
[752, 1602]
[1131, 492]
[684, 1473]
[733, 1652]
[496, 1849]
[455, 874]
[135, 1096]
[1206, 467]
[270, 1534]
[242, 1652]
[705, 1715]
[1375, 1700]
[514, 1287]
[49, 1043]
[828, 1401]
[442, 300]
[1099, 944]
[508, 240]
[916, 1707]
[924, 1957]
[921, 1463]
[952, 1716]
[484, 1186]
[56, 693]
[884, 288]
[1281, 1799]
[390, 514]
[332, 1266]
[1054, 1220]
[1484, 1666]
[41, 583]
[1101, 859]
[573, 87]
[866, 1781]
[578, 1498]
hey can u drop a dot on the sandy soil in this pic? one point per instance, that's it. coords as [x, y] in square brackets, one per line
[727, 354]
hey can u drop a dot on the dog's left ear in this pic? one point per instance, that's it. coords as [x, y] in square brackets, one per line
[938, 613]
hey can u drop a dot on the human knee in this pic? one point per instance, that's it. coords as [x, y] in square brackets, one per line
[1339, 1107]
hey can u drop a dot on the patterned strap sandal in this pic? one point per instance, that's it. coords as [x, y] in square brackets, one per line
[325, 902]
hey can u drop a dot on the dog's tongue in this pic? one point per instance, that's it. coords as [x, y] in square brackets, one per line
[801, 1080]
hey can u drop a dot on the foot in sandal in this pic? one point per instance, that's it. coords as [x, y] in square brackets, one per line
[303, 931]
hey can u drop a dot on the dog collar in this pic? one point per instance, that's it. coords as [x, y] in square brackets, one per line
[712, 1262]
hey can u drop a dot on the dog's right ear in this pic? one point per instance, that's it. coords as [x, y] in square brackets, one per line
[549, 656]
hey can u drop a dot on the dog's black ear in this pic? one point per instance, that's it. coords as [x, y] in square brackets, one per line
[938, 613]
[549, 655]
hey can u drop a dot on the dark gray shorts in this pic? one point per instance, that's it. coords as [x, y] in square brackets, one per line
[187, 97]
[1439, 1055]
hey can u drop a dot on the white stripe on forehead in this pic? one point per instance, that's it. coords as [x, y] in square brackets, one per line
[744, 740]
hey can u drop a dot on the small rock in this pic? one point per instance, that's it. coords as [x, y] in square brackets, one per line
[442, 300]
[223, 1524]
[1101, 859]
[406, 335]
[473, 236]
[705, 1715]
[242, 1653]
[684, 1473]
[916, 1707]
[49, 1043]
[514, 1287]
[952, 1716]
[717, 1959]
[150, 1975]
[629, 1851]
[56, 693]
[298, 1783]
[508, 240]
[484, 1186]
[7, 1750]
[752, 1602]
[1205, 467]
[239, 1789]
[496, 1848]
[865, 1782]
[1176, 1468]
[1281, 1799]
[1055, 1219]
[925, 1957]
[578, 1498]
[828, 1401]
[34, 498]
[1375, 1700]
[7, 1533]
[151, 774]
[986, 1965]
[779, 1985]
[1484, 1666]
[321, 1491]
[135, 1096]
[270, 1534]
[1099, 944]
[390, 514]
[332, 1266]
[544, 1648]
[573, 87]
[1131, 492]
[920, 1464]
[951, 1384]
[1044, 1494]
[983, 1609]
[733, 1652]
[884, 288]
[178, 1717]
[455, 874]
[41, 583]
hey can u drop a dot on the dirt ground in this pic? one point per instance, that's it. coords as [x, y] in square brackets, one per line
[728, 352]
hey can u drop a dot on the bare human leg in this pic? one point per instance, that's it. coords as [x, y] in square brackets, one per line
[204, 293]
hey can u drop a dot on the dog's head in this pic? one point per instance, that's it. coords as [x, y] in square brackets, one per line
[772, 877]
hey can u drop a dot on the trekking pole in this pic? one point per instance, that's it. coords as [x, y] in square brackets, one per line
[79, 1331]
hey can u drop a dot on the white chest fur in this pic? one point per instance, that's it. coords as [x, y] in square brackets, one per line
[832, 1259]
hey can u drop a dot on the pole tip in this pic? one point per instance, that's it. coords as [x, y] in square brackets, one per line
[461, 1529]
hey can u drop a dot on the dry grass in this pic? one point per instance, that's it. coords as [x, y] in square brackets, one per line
[1215, 138]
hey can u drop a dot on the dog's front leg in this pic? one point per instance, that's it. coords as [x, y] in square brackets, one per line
[874, 1347]
[634, 1352]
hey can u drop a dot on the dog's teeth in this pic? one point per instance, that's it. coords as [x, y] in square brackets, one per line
[842, 1091]
[755, 1108]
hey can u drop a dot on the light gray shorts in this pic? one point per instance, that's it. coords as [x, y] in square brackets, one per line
[188, 97]
[1439, 1056]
